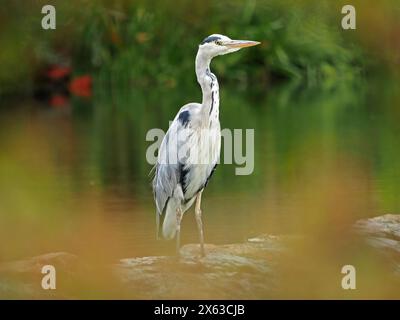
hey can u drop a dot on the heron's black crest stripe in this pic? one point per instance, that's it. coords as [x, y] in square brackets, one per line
[184, 118]
[210, 39]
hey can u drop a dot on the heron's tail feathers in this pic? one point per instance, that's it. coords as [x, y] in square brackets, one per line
[169, 223]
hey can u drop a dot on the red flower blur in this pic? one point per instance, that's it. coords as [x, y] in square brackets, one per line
[81, 86]
[58, 100]
[57, 72]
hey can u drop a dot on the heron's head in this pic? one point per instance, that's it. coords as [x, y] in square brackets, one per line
[218, 44]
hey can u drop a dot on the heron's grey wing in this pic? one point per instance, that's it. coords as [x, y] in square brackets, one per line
[164, 184]
[170, 167]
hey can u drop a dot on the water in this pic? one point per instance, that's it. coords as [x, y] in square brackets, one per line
[75, 178]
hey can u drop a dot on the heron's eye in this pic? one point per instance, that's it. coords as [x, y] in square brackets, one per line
[218, 42]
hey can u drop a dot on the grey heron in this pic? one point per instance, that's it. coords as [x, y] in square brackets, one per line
[186, 161]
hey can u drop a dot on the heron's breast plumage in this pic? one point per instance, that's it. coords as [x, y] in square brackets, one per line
[203, 157]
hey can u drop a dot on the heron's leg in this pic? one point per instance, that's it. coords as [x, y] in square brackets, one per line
[200, 222]
[178, 229]
[157, 226]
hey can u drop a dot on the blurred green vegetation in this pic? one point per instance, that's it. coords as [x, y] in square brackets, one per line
[156, 43]
[143, 43]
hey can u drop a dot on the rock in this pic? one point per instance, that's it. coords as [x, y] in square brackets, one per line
[383, 235]
[381, 232]
[247, 269]
[387, 225]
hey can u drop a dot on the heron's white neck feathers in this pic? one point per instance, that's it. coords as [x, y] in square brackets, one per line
[209, 86]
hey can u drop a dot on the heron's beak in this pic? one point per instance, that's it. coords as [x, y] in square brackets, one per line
[240, 43]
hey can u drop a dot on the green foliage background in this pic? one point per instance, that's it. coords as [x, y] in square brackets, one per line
[154, 42]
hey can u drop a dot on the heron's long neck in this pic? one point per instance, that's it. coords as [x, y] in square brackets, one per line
[209, 86]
